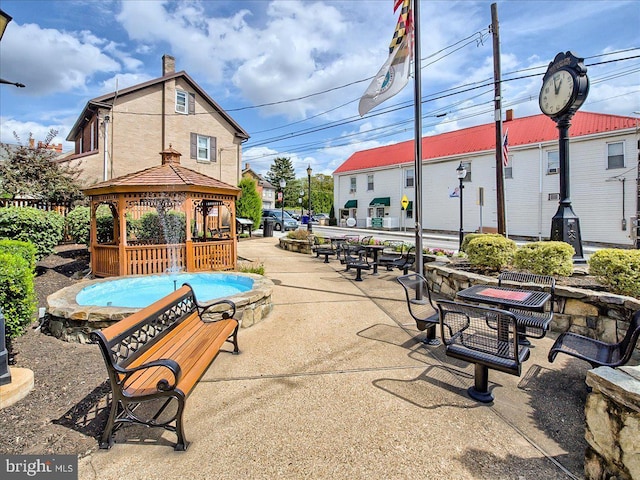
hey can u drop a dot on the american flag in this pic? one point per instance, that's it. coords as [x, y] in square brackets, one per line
[505, 149]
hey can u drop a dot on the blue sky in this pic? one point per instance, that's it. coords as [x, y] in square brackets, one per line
[291, 72]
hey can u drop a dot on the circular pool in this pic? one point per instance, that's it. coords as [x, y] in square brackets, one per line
[138, 292]
[74, 312]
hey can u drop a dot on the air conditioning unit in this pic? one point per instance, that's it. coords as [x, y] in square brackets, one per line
[553, 170]
[353, 190]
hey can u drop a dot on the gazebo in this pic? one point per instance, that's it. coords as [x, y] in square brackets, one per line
[163, 219]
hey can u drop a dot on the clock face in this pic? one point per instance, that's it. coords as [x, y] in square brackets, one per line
[557, 93]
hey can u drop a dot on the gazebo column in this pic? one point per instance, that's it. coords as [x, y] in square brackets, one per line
[93, 239]
[122, 230]
[191, 263]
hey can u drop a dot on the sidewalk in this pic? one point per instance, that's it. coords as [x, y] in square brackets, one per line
[333, 385]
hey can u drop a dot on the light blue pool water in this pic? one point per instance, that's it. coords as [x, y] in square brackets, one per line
[139, 292]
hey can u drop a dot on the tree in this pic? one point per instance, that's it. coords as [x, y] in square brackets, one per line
[283, 169]
[249, 205]
[33, 172]
[321, 193]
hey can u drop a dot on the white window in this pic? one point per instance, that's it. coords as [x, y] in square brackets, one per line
[508, 172]
[93, 136]
[204, 148]
[352, 188]
[409, 178]
[181, 102]
[615, 155]
[553, 162]
[369, 183]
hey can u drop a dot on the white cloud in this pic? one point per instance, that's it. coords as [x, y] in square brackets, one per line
[39, 131]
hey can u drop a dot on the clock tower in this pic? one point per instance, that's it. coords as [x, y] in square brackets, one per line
[564, 89]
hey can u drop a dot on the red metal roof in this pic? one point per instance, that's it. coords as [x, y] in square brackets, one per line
[522, 131]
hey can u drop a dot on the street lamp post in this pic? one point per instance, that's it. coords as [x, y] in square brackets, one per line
[283, 183]
[461, 172]
[5, 18]
[309, 171]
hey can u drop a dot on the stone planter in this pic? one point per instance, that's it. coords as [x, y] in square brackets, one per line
[601, 315]
[298, 246]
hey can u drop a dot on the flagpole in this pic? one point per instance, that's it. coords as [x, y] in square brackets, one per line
[417, 77]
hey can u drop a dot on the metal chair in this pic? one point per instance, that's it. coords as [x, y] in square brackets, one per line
[355, 260]
[532, 324]
[421, 307]
[596, 352]
[392, 253]
[406, 261]
[467, 336]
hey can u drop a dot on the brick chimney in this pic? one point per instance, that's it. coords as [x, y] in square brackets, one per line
[168, 65]
[509, 115]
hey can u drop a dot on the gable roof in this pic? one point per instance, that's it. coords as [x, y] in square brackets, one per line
[107, 101]
[522, 131]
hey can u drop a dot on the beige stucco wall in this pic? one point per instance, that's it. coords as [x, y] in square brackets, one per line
[135, 136]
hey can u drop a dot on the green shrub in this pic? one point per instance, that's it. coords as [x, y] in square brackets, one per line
[17, 293]
[298, 235]
[104, 224]
[470, 236]
[24, 250]
[79, 224]
[618, 269]
[43, 229]
[170, 228]
[490, 251]
[545, 258]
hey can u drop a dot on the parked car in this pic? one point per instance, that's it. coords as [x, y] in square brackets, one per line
[276, 215]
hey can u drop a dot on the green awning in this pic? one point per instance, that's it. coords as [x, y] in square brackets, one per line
[410, 206]
[351, 204]
[380, 202]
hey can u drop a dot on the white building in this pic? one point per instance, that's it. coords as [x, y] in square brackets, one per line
[604, 186]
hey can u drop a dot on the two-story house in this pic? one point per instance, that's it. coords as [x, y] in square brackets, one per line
[122, 132]
[265, 189]
[604, 182]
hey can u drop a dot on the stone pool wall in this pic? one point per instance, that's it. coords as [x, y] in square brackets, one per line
[71, 322]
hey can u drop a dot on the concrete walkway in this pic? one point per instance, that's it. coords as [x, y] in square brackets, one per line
[334, 385]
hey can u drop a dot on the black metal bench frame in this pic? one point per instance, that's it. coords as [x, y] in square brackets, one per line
[159, 354]
[359, 263]
[467, 336]
[596, 352]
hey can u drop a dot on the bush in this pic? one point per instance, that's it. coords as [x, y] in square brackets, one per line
[79, 224]
[490, 251]
[618, 269]
[17, 293]
[545, 258]
[470, 236]
[43, 229]
[170, 229]
[25, 250]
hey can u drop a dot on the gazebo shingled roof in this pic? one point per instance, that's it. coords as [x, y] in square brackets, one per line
[169, 174]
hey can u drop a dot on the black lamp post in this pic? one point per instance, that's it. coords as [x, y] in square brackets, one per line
[461, 172]
[283, 183]
[309, 171]
[300, 202]
[5, 18]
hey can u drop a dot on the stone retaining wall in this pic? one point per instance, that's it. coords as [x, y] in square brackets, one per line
[600, 315]
[612, 414]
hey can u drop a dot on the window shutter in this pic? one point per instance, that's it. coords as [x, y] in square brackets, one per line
[192, 103]
[213, 154]
[194, 145]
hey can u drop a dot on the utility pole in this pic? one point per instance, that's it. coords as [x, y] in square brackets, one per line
[502, 223]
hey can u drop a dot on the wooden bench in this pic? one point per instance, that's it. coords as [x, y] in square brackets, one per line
[158, 354]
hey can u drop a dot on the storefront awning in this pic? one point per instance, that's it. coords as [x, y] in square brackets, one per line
[409, 206]
[351, 204]
[380, 202]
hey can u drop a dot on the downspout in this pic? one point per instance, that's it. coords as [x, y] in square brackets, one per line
[540, 177]
[105, 123]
